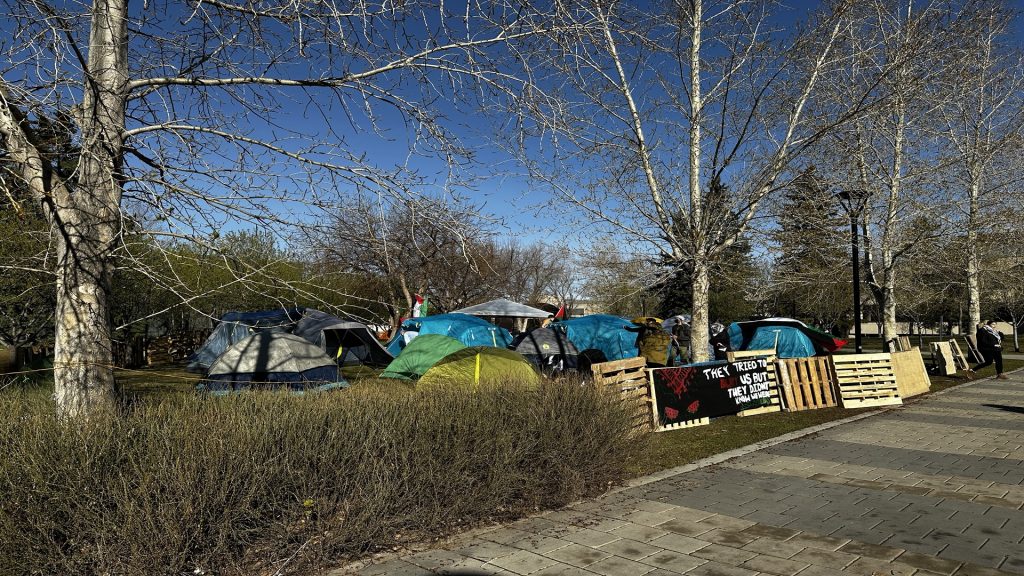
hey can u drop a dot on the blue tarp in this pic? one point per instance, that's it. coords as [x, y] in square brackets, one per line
[600, 337]
[469, 330]
[792, 343]
[235, 327]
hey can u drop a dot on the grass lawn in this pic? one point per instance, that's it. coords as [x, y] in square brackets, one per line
[663, 450]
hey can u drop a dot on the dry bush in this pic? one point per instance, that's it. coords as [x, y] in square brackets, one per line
[254, 482]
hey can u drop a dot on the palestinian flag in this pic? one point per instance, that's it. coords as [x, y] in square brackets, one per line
[420, 307]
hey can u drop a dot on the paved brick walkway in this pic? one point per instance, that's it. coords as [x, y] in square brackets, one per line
[934, 488]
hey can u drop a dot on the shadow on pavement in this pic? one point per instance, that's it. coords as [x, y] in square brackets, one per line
[1005, 408]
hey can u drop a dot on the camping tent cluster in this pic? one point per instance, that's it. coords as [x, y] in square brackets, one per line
[294, 348]
[457, 348]
[303, 348]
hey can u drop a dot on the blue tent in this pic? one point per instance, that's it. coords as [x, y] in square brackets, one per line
[600, 337]
[235, 327]
[790, 338]
[469, 330]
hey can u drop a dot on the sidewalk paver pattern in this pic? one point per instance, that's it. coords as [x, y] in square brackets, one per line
[935, 488]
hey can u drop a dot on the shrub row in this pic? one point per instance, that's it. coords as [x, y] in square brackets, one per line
[252, 483]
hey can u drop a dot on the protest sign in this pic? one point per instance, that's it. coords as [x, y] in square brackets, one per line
[710, 389]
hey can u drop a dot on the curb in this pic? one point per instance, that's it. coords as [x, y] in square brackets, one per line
[742, 451]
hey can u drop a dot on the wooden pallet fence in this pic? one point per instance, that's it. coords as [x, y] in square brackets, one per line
[866, 380]
[911, 374]
[629, 378]
[741, 354]
[807, 383]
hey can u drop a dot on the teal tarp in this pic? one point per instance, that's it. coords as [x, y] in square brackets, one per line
[469, 330]
[600, 337]
[794, 338]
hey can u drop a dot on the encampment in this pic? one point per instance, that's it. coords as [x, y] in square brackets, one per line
[346, 341]
[599, 337]
[422, 353]
[236, 326]
[271, 359]
[547, 349]
[469, 330]
[476, 364]
[790, 338]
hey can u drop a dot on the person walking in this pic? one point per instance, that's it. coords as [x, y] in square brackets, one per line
[990, 345]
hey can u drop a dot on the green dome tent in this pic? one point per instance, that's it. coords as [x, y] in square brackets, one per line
[421, 353]
[470, 366]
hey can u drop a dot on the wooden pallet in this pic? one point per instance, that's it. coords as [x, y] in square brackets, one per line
[629, 379]
[807, 383]
[899, 344]
[866, 380]
[973, 354]
[942, 359]
[911, 375]
[745, 354]
[958, 356]
[686, 424]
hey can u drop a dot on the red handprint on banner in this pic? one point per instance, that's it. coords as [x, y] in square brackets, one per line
[678, 379]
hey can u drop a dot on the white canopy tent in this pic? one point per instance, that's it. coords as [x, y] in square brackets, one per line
[504, 308]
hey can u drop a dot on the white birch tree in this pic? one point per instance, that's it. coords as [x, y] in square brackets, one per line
[648, 110]
[190, 117]
[983, 120]
[898, 51]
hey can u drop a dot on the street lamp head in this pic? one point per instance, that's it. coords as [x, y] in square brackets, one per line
[853, 199]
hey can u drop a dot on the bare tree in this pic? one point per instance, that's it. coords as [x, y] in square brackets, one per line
[983, 119]
[191, 117]
[647, 111]
[889, 151]
[417, 246]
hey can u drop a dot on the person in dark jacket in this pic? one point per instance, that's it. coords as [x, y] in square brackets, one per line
[990, 345]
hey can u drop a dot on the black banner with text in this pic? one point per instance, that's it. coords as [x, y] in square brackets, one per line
[711, 389]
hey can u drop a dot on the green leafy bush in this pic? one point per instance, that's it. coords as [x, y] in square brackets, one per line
[251, 483]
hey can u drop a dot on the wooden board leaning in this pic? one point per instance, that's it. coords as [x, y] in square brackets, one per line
[911, 374]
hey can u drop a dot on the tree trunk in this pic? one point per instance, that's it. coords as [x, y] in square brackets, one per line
[699, 337]
[1016, 343]
[890, 329]
[87, 223]
[973, 268]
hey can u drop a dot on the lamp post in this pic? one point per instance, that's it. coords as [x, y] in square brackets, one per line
[853, 202]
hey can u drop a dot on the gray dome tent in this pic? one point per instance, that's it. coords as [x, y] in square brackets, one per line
[272, 359]
[234, 327]
[550, 350]
[346, 341]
